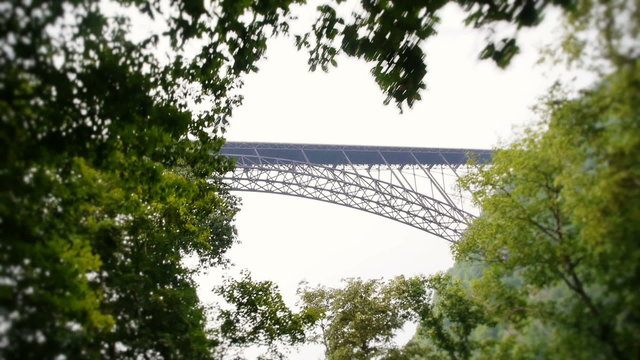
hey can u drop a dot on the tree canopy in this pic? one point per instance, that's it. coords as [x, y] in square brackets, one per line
[108, 180]
[359, 320]
[551, 262]
[558, 215]
[256, 315]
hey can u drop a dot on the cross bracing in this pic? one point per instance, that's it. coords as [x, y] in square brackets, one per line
[408, 185]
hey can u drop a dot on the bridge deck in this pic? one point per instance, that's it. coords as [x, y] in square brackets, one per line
[355, 155]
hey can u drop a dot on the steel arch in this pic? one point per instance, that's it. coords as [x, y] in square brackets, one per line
[341, 174]
[345, 185]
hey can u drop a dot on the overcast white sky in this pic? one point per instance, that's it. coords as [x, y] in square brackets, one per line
[469, 104]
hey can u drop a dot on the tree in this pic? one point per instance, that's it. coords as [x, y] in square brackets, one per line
[360, 320]
[551, 257]
[391, 34]
[108, 179]
[449, 319]
[560, 211]
[109, 166]
[447, 316]
[257, 315]
[599, 35]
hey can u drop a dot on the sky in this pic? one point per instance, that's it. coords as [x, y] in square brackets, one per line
[468, 104]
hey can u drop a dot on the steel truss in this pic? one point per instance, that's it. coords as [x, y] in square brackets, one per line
[393, 193]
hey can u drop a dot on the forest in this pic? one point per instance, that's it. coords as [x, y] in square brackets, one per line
[111, 177]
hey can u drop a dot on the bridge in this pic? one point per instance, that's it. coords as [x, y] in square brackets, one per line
[406, 184]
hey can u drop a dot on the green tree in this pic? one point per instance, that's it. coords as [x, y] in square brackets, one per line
[560, 211]
[391, 35]
[108, 179]
[599, 35]
[255, 314]
[447, 317]
[551, 257]
[360, 320]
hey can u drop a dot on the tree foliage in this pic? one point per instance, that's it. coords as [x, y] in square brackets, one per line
[560, 211]
[108, 179]
[447, 320]
[599, 35]
[391, 35]
[553, 257]
[256, 314]
[359, 320]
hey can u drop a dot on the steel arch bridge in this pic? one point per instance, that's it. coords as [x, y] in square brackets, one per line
[404, 184]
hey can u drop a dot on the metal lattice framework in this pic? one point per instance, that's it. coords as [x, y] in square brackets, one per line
[403, 184]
